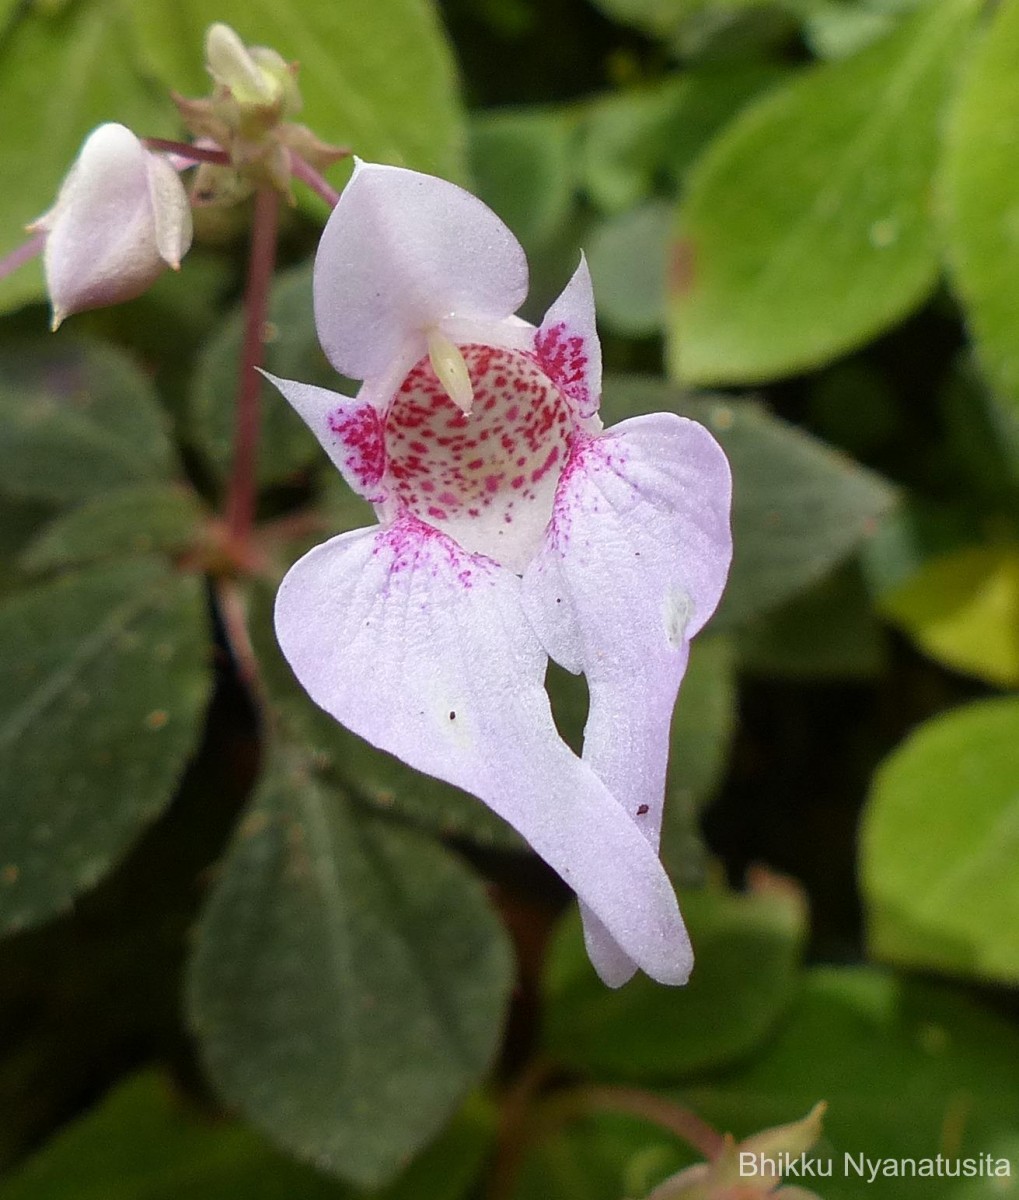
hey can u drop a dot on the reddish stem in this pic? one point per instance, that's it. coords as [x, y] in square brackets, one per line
[680, 1121]
[22, 254]
[186, 150]
[240, 504]
[306, 173]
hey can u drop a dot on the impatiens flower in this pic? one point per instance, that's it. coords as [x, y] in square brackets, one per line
[511, 527]
[121, 218]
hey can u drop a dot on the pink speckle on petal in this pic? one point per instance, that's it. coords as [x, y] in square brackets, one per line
[361, 432]
[461, 471]
[565, 359]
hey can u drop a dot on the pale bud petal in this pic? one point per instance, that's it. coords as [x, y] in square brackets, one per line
[230, 64]
[120, 218]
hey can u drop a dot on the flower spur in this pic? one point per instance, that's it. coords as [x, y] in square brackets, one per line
[511, 528]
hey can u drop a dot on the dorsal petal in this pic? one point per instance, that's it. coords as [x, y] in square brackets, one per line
[401, 252]
[633, 564]
[350, 432]
[567, 344]
[423, 650]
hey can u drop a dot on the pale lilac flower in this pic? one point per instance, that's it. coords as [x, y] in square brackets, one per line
[121, 218]
[510, 528]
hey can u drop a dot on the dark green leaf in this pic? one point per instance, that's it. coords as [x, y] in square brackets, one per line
[939, 845]
[628, 257]
[85, 49]
[522, 164]
[106, 683]
[145, 1143]
[379, 79]
[979, 197]
[807, 225]
[598, 1157]
[798, 507]
[349, 983]
[747, 951]
[293, 352]
[77, 420]
[129, 521]
[828, 631]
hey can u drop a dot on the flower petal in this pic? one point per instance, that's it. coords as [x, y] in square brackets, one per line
[633, 565]
[423, 650]
[401, 252]
[101, 245]
[567, 343]
[350, 432]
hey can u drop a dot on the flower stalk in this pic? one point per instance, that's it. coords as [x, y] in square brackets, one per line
[22, 254]
[240, 506]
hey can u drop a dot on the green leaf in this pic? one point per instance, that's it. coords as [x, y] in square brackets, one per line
[77, 420]
[82, 52]
[633, 140]
[828, 631]
[836, 29]
[106, 683]
[599, 1156]
[370, 775]
[628, 255]
[908, 1070]
[150, 518]
[978, 197]
[807, 228]
[144, 1143]
[799, 508]
[522, 162]
[747, 950]
[962, 609]
[349, 983]
[285, 446]
[380, 79]
[939, 844]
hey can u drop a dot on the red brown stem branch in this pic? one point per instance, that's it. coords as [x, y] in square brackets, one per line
[678, 1120]
[243, 490]
[306, 173]
[22, 254]
[186, 150]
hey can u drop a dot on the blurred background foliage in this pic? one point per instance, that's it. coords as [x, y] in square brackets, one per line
[245, 954]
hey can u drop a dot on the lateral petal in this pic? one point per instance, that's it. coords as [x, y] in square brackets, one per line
[401, 252]
[423, 650]
[350, 431]
[633, 565]
[567, 344]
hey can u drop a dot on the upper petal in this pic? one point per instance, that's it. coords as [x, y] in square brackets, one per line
[634, 563]
[401, 252]
[423, 649]
[567, 343]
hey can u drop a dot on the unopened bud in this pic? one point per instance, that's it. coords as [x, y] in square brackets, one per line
[255, 76]
[121, 217]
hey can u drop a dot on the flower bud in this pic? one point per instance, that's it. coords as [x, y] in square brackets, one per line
[256, 77]
[750, 1170]
[121, 217]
